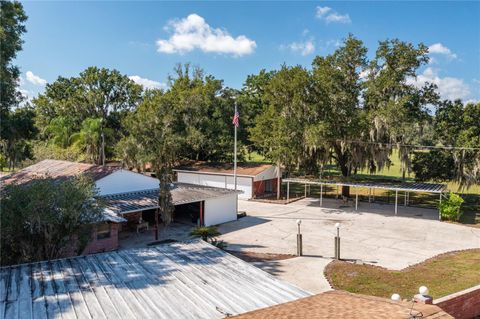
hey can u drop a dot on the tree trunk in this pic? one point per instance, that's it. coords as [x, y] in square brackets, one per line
[345, 173]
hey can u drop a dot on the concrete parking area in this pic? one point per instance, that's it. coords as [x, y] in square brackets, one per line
[370, 235]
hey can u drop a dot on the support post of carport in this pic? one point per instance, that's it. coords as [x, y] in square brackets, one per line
[288, 191]
[321, 194]
[440, 204]
[396, 202]
[202, 217]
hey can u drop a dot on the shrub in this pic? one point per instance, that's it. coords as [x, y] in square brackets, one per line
[209, 234]
[205, 233]
[450, 208]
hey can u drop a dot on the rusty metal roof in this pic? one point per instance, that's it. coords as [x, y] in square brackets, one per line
[244, 169]
[178, 280]
[57, 169]
[182, 193]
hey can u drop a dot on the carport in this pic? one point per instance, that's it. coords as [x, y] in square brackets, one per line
[406, 188]
[214, 205]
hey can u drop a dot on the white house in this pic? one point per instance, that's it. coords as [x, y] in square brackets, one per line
[254, 180]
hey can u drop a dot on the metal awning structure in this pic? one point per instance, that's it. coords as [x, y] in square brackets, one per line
[397, 187]
[182, 193]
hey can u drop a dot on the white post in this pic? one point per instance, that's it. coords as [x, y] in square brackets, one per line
[405, 203]
[321, 194]
[235, 152]
[288, 191]
[356, 198]
[305, 190]
[440, 204]
[396, 201]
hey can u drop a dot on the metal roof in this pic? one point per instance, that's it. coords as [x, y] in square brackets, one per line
[407, 187]
[57, 169]
[243, 169]
[182, 193]
[178, 280]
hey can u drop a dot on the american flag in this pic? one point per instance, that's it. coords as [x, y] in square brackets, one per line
[236, 117]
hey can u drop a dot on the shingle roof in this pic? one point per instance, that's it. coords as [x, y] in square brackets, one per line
[245, 169]
[57, 169]
[182, 193]
[178, 280]
[341, 304]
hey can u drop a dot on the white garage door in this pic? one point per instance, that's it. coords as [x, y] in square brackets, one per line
[244, 184]
[220, 210]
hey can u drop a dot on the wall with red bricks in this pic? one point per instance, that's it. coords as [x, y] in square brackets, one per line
[464, 304]
[101, 245]
[259, 187]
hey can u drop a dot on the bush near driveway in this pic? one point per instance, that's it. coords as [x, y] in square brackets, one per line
[450, 208]
[443, 275]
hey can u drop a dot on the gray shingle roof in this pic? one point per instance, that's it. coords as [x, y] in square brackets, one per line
[178, 280]
[182, 193]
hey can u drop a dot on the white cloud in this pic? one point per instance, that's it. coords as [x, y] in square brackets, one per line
[438, 48]
[193, 32]
[146, 83]
[35, 79]
[331, 16]
[304, 48]
[448, 87]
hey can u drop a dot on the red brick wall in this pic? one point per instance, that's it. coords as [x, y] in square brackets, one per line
[101, 245]
[259, 187]
[464, 304]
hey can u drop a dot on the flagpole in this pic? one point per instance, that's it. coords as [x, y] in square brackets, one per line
[235, 153]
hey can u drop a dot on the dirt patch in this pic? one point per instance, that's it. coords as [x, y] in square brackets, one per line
[258, 257]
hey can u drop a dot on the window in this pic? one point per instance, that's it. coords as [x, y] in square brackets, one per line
[103, 231]
[268, 186]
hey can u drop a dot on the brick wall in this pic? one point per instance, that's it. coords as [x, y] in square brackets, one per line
[464, 304]
[259, 187]
[101, 245]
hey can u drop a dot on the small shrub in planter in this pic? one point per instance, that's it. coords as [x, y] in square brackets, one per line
[209, 234]
[450, 208]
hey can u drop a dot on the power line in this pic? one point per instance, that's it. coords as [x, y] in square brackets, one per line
[411, 145]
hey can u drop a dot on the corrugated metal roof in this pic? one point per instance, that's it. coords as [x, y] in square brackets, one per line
[182, 193]
[58, 169]
[408, 187]
[243, 169]
[179, 280]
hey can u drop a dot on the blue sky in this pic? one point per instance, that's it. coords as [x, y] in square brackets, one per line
[233, 39]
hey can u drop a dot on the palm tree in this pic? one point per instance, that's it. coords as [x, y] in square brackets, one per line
[89, 139]
[60, 131]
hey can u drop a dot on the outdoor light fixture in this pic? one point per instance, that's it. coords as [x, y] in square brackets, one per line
[299, 239]
[337, 242]
[423, 291]
[395, 297]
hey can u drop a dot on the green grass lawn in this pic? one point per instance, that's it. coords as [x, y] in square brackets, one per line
[461, 268]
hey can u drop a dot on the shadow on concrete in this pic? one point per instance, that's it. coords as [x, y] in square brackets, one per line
[337, 206]
[242, 223]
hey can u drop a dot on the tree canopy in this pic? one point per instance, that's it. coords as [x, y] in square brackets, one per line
[46, 218]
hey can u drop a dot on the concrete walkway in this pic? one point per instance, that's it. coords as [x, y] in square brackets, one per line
[370, 235]
[304, 272]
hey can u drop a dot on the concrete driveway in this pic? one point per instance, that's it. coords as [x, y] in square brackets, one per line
[370, 235]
